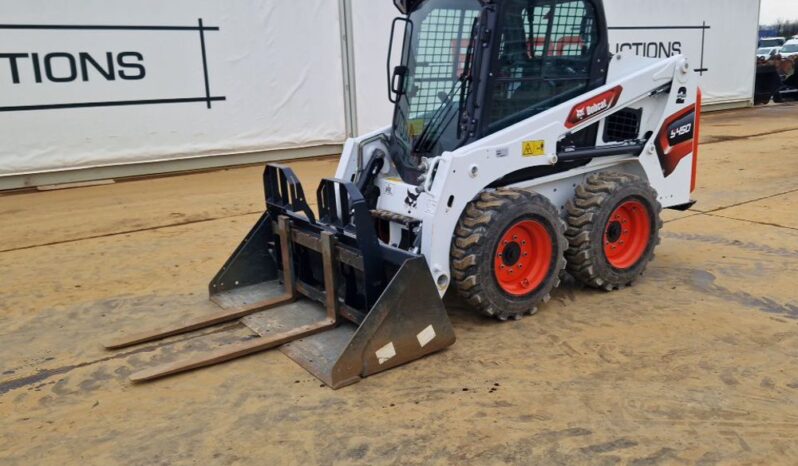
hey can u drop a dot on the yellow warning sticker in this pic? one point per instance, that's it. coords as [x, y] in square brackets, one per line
[415, 127]
[534, 148]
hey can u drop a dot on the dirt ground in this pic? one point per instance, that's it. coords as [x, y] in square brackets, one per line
[696, 364]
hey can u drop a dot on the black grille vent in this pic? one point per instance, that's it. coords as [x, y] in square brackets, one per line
[623, 126]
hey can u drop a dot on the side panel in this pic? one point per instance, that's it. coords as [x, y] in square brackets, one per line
[668, 159]
[251, 263]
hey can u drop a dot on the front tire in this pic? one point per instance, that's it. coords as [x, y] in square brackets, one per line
[508, 252]
[613, 229]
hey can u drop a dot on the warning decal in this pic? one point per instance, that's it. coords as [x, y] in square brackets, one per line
[533, 148]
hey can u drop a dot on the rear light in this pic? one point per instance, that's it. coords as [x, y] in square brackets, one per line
[696, 138]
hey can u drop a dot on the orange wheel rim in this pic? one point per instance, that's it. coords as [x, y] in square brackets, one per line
[522, 260]
[627, 234]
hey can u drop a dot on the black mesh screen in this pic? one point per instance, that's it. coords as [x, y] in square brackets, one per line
[567, 40]
[623, 125]
[545, 54]
[568, 26]
[442, 45]
[536, 27]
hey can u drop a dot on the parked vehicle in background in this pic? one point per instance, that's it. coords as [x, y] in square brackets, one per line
[790, 49]
[768, 83]
[786, 93]
[766, 53]
[772, 41]
[789, 88]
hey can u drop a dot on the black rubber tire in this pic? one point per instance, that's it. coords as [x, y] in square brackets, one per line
[588, 214]
[476, 239]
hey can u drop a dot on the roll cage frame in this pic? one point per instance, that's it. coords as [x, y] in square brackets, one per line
[484, 63]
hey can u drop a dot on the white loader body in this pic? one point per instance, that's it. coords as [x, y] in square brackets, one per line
[455, 178]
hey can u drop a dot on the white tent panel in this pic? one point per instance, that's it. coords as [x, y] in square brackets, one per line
[76, 95]
[372, 26]
[719, 37]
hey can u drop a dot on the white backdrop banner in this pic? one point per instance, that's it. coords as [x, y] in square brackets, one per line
[718, 36]
[97, 82]
[87, 83]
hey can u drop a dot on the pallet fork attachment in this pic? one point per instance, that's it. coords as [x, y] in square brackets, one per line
[327, 293]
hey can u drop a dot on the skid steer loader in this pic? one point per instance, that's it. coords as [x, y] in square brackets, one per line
[520, 148]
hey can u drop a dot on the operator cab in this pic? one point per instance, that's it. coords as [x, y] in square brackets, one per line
[470, 68]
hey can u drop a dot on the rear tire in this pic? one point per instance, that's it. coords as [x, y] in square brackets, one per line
[508, 252]
[613, 229]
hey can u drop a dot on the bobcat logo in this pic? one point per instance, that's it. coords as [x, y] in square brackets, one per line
[592, 109]
[597, 107]
[412, 199]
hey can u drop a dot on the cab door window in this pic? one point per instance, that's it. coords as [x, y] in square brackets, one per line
[544, 58]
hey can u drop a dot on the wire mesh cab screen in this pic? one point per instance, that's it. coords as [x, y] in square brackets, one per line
[544, 57]
[440, 59]
[435, 51]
